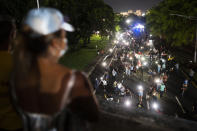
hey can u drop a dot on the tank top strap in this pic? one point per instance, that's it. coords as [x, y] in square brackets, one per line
[68, 89]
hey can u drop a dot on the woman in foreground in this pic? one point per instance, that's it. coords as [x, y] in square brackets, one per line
[44, 88]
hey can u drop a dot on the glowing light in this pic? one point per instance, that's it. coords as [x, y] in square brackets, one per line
[111, 50]
[145, 63]
[155, 106]
[128, 21]
[104, 64]
[127, 103]
[127, 43]
[156, 62]
[140, 87]
[119, 85]
[157, 80]
[163, 60]
[143, 59]
[139, 26]
[97, 32]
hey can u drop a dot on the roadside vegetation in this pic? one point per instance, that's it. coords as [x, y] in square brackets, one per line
[82, 56]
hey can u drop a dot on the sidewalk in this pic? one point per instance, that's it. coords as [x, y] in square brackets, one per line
[186, 74]
[183, 58]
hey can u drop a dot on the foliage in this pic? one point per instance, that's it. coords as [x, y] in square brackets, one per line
[118, 21]
[173, 29]
[87, 16]
[117, 28]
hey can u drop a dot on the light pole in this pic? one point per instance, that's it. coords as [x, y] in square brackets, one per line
[190, 18]
[38, 4]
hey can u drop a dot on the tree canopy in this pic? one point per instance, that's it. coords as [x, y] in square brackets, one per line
[87, 16]
[173, 29]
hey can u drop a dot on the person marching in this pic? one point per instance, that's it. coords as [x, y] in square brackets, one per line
[162, 89]
[184, 87]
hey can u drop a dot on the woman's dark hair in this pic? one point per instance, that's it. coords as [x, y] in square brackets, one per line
[36, 44]
[29, 46]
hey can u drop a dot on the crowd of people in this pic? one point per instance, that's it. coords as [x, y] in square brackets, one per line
[145, 63]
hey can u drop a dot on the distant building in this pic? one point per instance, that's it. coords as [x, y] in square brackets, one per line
[124, 13]
[136, 12]
[130, 11]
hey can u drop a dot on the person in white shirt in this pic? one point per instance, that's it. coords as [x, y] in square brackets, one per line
[140, 93]
[191, 74]
[177, 66]
[158, 68]
[132, 69]
[114, 73]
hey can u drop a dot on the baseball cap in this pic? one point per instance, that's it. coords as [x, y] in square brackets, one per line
[44, 21]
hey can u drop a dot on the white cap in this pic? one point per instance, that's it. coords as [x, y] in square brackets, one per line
[44, 21]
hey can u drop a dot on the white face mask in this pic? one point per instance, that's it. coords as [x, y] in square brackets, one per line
[63, 51]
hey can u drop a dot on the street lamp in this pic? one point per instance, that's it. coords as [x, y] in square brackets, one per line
[38, 4]
[190, 18]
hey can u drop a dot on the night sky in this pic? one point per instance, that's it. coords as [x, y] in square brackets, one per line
[125, 5]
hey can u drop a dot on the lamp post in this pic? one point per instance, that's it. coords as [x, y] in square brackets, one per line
[38, 6]
[190, 18]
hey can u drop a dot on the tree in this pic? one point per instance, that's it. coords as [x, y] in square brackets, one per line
[176, 31]
[87, 16]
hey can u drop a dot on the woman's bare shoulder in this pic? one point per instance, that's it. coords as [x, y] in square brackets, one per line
[54, 76]
[61, 70]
